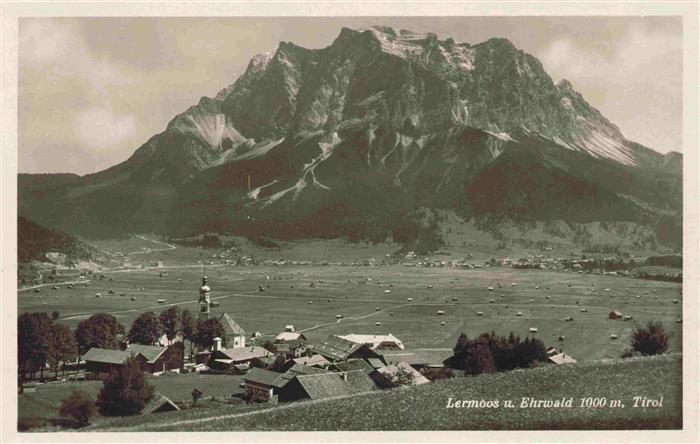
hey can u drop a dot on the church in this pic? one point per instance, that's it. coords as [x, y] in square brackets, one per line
[234, 335]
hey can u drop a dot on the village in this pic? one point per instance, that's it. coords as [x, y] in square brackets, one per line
[283, 367]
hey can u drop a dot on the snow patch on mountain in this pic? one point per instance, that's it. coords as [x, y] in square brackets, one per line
[211, 128]
[599, 145]
[254, 193]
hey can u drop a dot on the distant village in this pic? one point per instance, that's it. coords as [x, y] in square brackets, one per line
[619, 265]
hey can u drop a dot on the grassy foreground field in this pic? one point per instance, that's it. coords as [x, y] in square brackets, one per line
[41, 407]
[424, 407]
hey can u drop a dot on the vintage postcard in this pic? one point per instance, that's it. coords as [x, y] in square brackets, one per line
[418, 222]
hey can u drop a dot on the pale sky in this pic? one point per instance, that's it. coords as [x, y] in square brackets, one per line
[92, 90]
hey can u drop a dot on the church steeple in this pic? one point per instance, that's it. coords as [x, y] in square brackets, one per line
[204, 299]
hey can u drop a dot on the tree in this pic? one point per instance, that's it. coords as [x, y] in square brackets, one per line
[473, 357]
[170, 321]
[33, 331]
[207, 330]
[401, 377]
[188, 328]
[55, 315]
[145, 330]
[79, 406]
[62, 347]
[501, 349]
[125, 391]
[478, 359]
[279, 364]
[528, 352]
[651, 340]
[99, 330]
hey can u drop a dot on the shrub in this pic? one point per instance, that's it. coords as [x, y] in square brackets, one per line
[78, 406]
[438, 373]
[125, 391]
[651, 340]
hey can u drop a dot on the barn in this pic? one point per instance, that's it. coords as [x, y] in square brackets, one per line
[561, 358]
[614, 314]
[226, 359]
[326, 385]
[159, 359]
[312, 361]
[336, 349]
[99, 362]
[261, 383]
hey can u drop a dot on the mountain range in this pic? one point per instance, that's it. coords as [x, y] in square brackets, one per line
[355, 139]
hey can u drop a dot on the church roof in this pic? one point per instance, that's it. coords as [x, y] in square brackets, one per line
[230, 326]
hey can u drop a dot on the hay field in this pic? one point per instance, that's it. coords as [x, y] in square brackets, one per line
[310, 298]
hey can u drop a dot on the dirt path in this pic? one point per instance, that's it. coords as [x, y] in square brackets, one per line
[131, 310]
[58, 284]
[153, 250]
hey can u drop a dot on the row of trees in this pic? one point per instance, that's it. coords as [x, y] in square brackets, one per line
[41, 340]
[490, 353]
[148, 328]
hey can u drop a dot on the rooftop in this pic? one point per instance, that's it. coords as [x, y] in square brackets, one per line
[107, 356]
[373, 340]
[336, 348]
[329, 385]
[150, 352]
[244, 353]
[262, 376]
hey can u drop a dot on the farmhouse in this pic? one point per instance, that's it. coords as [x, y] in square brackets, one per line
[99, 362]
[335, 349]
[614, 315]
[419, 358]
[158, 359]
[289, 336]
[376, 342]
[261, 383]
[312, 361]
[290, 349]
[561, 358]
[296, 370]
[326, 385]
[227, 359]
[353, 365]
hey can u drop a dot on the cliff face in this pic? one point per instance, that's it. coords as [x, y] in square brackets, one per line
[381, 117]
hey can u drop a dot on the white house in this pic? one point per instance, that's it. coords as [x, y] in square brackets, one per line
[376, 342]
